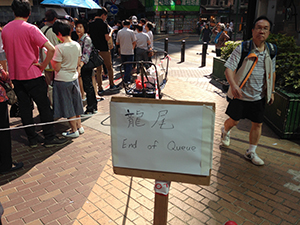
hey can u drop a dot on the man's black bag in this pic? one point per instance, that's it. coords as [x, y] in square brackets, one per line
[95, 60]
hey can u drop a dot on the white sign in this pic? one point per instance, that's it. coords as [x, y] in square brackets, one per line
[162, 137]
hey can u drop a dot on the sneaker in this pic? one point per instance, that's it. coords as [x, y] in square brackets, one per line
[15, 166]
[55, 142]
[71, 135]
[100, 99]
[81, 130]
[253, 157]
[114, 87]
[87, 113]
[225, 138]
[101, 92]
[34, 142]
[95, 111]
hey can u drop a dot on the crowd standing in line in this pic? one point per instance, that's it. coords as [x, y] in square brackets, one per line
[55, 54]
[23, 46]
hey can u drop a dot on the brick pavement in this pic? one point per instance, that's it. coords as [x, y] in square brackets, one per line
[75, 184]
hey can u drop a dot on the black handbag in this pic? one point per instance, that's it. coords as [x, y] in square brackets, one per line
[95, 59]
[12, 97]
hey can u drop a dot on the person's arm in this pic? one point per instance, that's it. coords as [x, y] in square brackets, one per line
[273, 90]
[79, 65]
[50, 52]
[236, 91]
[133, 44]
[56, 65]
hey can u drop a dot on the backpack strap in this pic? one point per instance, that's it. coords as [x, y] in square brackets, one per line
[246, 49]
[272, 49]
[47, 30]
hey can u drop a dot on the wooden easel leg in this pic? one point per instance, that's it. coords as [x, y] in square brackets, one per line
[161, 209]
[161, 202]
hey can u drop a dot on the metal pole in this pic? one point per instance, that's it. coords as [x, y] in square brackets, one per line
[182, 50]
[166, 46]
[204, 51]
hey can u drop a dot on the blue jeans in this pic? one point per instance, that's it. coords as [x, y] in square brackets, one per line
[37, 90]
[127, 67]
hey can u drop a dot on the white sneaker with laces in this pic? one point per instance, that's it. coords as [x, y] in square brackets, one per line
[253, 157]
[81, 130]
[225, 137]
[71, 135]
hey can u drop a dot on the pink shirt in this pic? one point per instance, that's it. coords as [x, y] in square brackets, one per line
[21, 42]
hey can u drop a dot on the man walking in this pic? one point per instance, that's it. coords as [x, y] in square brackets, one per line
[21, 42]
[100, 35]
[251, 85]
[127, 41]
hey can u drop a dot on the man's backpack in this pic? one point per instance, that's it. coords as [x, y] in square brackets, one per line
[246, 49]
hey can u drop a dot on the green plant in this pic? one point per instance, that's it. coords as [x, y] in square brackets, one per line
[287, 62]
[228, 49]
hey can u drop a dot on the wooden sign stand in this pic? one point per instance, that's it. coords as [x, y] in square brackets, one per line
[161, 201]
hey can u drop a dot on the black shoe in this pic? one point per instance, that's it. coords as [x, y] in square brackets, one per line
[87, 113]
[55, 142]
[33, 143]
[14, 168]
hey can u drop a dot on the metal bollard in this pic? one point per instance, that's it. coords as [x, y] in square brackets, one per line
[166, 46]
[204, 51]
[182, 50]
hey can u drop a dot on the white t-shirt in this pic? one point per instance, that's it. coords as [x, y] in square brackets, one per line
[67, 54]
[150, 34]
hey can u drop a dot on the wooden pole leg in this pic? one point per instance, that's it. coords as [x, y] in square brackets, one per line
[161, 209]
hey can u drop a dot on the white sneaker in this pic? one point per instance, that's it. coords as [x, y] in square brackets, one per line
[71, 135]
[225, 138]
[253, 157]
[81, 130]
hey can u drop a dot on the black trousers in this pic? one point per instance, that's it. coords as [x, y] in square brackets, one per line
[86, 75]
[5, 149]
[37, 90]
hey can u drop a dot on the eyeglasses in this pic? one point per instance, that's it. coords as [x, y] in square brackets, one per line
[263, 29]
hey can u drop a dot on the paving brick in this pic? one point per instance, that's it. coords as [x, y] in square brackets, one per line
[35, 216]
[285, 216]
[215, 215]
[232, 216]
[250, 216]
[273, 219]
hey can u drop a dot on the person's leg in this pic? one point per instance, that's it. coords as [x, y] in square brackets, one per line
[99, 77]
[5, 152]
[24, 102]
[127, 67]
[254, 137]
[80, 82]
[73, 124]
[107, 61]
[225, 131]
[89, 89]
[255, 133]
[37, 89]
[78, 122]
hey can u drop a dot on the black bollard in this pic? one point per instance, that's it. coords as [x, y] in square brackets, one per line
[204, 51]
[166, 46]
[182, 50]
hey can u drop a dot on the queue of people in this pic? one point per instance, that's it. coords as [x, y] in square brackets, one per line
[54, 58]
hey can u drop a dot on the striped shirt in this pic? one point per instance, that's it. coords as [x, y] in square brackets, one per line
[255, 87]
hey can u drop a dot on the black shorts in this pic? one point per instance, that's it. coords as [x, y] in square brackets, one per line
[239, 109]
